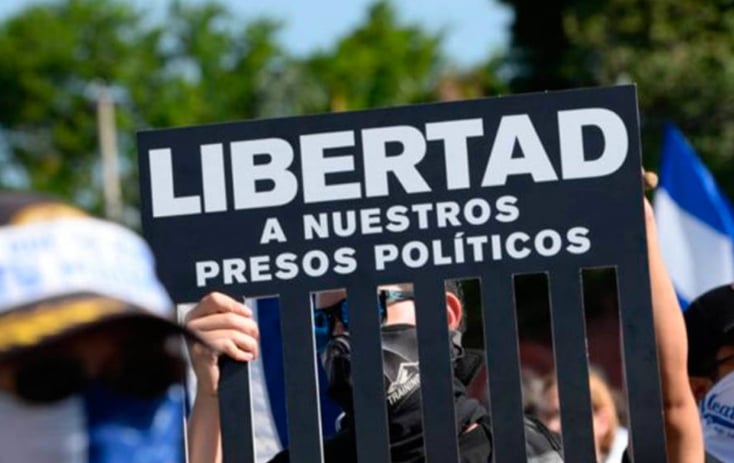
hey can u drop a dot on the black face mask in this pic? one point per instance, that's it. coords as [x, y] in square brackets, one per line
[400, 369]
[402, 387]
[337, 358]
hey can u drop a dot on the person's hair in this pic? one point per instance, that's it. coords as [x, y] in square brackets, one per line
[601, 400]
[453, 286]
[727, 339]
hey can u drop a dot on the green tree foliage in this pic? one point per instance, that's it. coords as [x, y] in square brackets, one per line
[194, 68]
[384, 62]
[680, 53]
[200, 67]
[480, 81]
[192, 63]
[50, 59]
[219, 65]
[380, 63]
[540, 56]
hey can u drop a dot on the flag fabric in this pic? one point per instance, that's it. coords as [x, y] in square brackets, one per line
[272, 406]
[267, 384]
[695, 221]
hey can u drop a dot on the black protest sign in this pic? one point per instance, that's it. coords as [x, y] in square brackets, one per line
[489, 188]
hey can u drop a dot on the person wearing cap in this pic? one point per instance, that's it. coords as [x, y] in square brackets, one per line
[710, 326]
[90, 370]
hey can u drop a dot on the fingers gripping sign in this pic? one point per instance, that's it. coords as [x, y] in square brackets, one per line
[227, 327]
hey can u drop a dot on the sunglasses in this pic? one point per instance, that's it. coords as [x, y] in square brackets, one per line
[142, 367]
[325, 318]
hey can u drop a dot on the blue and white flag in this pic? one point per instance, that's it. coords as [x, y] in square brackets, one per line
[269, 405]
[267, 383]
[695, 221]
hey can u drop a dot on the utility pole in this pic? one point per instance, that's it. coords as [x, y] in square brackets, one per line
[107, 131]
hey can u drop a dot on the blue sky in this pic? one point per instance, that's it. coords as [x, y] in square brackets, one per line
[474, 28]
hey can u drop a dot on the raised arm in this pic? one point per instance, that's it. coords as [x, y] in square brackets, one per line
[227, 326]
[682, 425]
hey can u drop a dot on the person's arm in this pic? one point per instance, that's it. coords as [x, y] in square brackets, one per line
[227, 326]
[682, 425]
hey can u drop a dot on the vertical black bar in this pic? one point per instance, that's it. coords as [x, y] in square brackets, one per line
[572, 367]
[437, 388]
[505, 388]
[235, 411]
[301, 387]
[647, 438]
[370, 414]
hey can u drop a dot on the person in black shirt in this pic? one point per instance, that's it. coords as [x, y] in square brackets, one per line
[400, 366]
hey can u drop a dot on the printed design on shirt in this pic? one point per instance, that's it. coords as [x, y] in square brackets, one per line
[407, 380]
[715, 412]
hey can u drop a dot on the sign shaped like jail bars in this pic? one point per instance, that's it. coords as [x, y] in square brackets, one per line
[486, 188]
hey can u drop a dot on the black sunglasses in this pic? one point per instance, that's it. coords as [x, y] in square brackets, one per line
[144, 369]
[324, 318]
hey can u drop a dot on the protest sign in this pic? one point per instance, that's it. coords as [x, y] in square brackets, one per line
[485, 188]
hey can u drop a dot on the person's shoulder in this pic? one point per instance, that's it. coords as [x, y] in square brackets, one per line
[339, 448]
[475, 446]
[541, 443]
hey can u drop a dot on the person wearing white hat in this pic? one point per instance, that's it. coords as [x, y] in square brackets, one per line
[90, 370]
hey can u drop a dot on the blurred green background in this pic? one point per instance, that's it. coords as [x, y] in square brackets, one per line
[201, 62]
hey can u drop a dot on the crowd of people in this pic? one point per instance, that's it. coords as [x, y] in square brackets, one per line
[91, 370]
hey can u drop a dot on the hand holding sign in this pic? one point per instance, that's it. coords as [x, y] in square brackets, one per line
[227, 326]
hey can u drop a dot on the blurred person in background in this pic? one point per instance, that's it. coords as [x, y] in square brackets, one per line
[610, 439]
[532, 391]
[90, 366]
[684, 439]
[710, 327]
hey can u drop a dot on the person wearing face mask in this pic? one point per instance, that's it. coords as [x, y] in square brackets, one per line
[214, 319]
[710, 327]
[401, 370]
[90, 366]
[227, 325]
